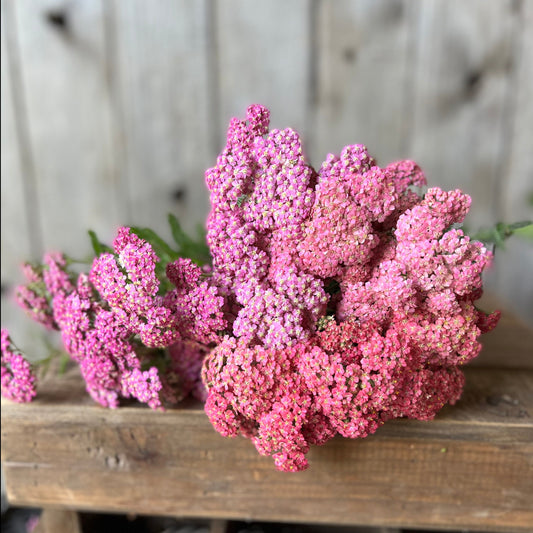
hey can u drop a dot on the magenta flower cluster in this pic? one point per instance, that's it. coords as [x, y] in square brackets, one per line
[336, 300]
[353, 295]
[115, 325]
[18, 379]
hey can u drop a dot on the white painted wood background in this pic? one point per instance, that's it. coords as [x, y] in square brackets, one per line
[112, 117]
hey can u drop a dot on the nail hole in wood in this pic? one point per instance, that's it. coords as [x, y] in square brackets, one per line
[472, 82]
[57, 18]
[395, 11]
[349, 55]
[179, 194]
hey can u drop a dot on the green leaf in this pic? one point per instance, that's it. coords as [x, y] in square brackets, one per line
[502, 231]
[196, 250]
[98, 247]
[155, 357]
[241, 199]
[179, 236]
[519, 225]
[525, 231]
[162, 249]
[63, 362]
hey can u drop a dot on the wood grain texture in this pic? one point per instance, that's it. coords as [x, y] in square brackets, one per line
[462, 87]
[513, 269]
[517, 164]
[363, 77]
[67, 100]
[16, 244]
[161, 84]
[470, 468]
[510, 345]
[263, 53]
[20, 239]
[58, 521]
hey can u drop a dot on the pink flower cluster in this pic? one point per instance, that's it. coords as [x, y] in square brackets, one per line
[262, 191]
[336, 300]
[18, 380]
[197, 306]
[114, 323]
[126, 280]
[353, 295]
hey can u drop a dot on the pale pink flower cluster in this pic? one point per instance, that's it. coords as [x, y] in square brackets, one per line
[262, 191]
[353, 295]
[18, 379]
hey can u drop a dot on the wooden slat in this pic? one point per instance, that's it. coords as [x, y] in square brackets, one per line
[363, 76]
[517, 183]
[58, 521]
[263, 52]
[470, 468]
[19, 240]
[161, 88]
[16, 244]
[510, 345]
[514, 266]
[512, 275]
[462, 86]
[64, 72]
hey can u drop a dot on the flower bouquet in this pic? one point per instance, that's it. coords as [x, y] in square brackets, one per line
[327, 302]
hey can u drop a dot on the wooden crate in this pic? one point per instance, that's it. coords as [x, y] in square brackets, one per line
[470, 468]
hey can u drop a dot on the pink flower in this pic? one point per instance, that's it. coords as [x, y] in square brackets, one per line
[18, 380]
[129, 285]
[353, 294]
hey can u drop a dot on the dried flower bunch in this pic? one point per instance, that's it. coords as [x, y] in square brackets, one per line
[336, 300]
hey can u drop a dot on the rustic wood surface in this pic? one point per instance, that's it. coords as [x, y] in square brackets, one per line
[510, 345]
[362, 48]
[58, 521]
[264, 56]
[462, 89]
[159, 80]
[470, 468]
[515, 192]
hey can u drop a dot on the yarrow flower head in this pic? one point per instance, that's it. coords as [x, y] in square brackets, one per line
[114, 323]
[353, 295]
[127, 281]
[18, 379]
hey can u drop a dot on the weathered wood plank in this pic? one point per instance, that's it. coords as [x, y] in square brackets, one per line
[63, 66]
[363, 76]
[514, 265]
[16, 243]
[470, 468]
[510, 345]
[20, 238]
[58, 521]
[517, 183]
[161, 76]
[464, 52]
[263, 54]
